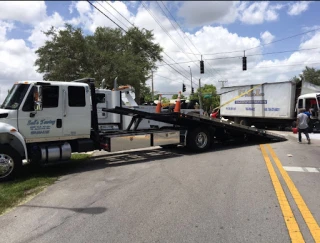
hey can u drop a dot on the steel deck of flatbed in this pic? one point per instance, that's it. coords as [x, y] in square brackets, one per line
[194, 120]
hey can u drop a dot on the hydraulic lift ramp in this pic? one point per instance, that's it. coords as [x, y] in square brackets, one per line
[190, 121]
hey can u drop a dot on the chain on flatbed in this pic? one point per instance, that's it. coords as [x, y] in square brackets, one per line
[192, 120]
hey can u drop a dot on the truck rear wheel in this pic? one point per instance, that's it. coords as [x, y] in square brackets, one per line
[199, 139]
[10, 162]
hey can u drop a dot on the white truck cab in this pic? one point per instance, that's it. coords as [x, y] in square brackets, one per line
[310, 102]
[39, 119]
[64, 112]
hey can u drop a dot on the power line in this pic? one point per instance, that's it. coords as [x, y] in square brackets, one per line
[228, 52]
[120, 14]
[171, 79]
[164, 29]
[175, 27]
[210, 68]
[107, 16]
[268, 53]
[179, 26]
[178, 63]
[286, 38]
[296, 64]
[306, 49]
[112, 14]
[127, 32]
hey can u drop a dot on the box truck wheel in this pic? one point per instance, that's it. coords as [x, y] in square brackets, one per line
[10, 162]
[244, 122]
[199, 139]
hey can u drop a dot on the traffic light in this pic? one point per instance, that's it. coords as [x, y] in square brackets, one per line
[192, 90]
[201, 67]
[244, 63]
[183, 88]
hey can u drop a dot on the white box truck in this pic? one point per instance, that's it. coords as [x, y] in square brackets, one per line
[270, 104]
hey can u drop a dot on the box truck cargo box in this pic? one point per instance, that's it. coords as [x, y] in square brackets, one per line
[270, 100]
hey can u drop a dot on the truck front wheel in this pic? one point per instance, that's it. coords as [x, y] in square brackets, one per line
[10, 162]
[199, 140]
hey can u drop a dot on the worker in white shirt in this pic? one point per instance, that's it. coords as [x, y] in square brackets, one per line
[302, 125]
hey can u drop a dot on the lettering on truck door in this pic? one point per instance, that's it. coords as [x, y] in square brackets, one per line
[45, 125]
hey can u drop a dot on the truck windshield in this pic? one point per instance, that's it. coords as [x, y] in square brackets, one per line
[15, 97]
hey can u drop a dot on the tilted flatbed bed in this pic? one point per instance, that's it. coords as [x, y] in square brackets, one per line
[213, 129]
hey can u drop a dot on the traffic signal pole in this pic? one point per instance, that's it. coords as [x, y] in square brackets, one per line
[201, 71]
[191, 79]
[152, 90]
[200, 94]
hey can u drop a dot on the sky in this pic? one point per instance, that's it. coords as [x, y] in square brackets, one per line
[279, 38]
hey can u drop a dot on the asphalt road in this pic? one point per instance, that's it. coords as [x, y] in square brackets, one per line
[225, 195]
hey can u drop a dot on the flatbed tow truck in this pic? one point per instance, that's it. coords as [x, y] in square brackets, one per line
[45, 122]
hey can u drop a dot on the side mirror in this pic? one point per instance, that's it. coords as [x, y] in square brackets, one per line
[37, 95]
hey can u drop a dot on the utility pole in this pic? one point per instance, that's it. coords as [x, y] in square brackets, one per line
[199, 94]
[152, 91]
[191, 77]
[222, 85]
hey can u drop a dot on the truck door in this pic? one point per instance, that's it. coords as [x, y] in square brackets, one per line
[44, 125]
[101, 103]
[77, 113]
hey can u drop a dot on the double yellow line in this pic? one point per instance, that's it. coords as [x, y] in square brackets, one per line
[292, 225]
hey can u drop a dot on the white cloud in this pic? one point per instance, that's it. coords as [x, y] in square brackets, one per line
[4, 28]
[37, 37]
[298, 7]
[311, 42]
[207, 12]
[20, 66]
[72, 6]
[29, 12]
[266, 37]
[258, 12]
[90, 18]
[278, 6]
[197, 13]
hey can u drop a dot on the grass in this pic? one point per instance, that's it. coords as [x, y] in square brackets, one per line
[32, 181]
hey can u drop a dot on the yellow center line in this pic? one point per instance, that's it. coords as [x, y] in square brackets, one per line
[292, 225]
[306, 214]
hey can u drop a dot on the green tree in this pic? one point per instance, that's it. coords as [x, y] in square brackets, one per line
[107, 54]
[64, 57]
[175, 96]
[295, 79]
[163, 99]
[209, 97]
[146, 93]
[310, 75]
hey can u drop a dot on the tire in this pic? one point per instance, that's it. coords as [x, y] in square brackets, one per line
[10, 163]
[199, 140]
[244, 122]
